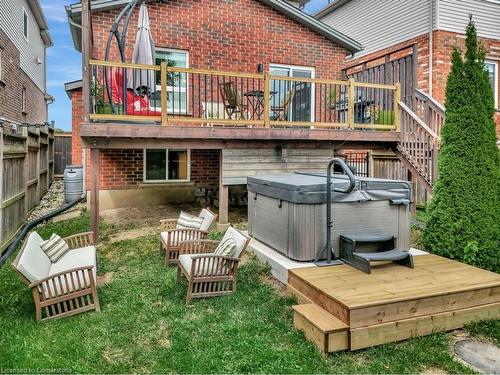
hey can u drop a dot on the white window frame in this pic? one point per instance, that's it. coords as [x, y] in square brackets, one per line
[177, 111]
[495, 87]
[23, 99]
[300, 67]
[167, 180]
[26, 16]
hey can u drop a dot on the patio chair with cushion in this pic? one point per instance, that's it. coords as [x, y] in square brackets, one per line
[63, 282]
[280, 111]
[210, 266]
[233, 101]
[173, 232]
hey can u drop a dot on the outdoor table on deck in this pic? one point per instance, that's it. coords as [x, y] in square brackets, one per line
[256, 101]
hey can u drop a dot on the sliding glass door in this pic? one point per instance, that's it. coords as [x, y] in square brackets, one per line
[292, 100]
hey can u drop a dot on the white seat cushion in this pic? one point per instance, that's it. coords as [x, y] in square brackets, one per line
[85, 256]
[34, 264]
[208, 219]
[186, 260]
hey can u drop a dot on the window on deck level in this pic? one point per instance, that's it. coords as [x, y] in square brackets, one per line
[161, 165]
[301, 108]
[177, 83]
[492, 69]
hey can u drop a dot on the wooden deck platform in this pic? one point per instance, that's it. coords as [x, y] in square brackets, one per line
[394, 302]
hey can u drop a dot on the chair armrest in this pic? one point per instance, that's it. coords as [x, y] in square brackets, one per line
[62, 273]
[80, 240]
[210, 265]
[198, 246]
[167, 224]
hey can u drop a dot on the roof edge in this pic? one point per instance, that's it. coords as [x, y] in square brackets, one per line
[327, 9]
[72, 86]
[279, 5]
[37, 11]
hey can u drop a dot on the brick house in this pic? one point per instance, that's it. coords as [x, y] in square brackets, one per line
[211, 140]
[24, 38]
[427, 30]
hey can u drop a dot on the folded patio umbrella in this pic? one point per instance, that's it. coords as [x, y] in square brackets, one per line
[142, 81]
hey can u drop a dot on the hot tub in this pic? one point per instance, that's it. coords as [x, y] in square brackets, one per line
[288, 211]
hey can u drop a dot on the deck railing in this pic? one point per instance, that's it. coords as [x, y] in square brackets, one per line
[191, 96]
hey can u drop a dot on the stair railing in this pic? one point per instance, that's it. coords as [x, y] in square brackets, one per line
[430, 111]
[419, 144]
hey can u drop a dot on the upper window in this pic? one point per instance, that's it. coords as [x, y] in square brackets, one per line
[177, 83]
[292, 100]
[23, 99]
[492, 69]
[25, 24]
[161, 165]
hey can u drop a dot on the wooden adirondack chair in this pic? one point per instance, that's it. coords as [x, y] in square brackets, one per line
[233, 101]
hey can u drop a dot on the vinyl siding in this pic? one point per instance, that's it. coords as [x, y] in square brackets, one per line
[454, 16]
[11, 22]
[380, 24]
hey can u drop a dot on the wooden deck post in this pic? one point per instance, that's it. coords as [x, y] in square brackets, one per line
[86, 56]
[267, 101]
[223, 200]
[94, 193]
[397, 99]
[351, 103]
[163, 74]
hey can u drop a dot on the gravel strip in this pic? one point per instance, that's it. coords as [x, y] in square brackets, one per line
[52, 199]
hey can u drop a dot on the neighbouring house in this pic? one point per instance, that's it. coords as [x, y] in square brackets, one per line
[412, 41]
[241, 87]
[24, 38]
[26, 140]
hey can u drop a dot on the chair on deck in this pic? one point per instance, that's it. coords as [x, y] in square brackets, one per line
[65, 285]
[208, 268]
[233, 101]
[280, 112]
[172, 234]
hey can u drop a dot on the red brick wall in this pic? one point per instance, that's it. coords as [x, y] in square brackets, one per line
[12, 81]
[205, 168]
[76, 119]
[233, 35]
[443, 43]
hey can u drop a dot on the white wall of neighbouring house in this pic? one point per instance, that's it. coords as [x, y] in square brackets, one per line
[32, 49]
[382, 23]
[453, 15]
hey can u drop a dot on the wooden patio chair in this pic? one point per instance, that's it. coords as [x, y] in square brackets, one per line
[281, 110]
[65, 287]
[233, 101]
[171, 236]
[208, 274]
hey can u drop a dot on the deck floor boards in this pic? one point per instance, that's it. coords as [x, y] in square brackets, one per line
[388, 283]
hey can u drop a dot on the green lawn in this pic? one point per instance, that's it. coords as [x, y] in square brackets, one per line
[145, 326]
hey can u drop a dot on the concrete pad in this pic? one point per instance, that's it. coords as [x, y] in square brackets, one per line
[66, 216]
[416, 252]
[279, 263]
[483, 356]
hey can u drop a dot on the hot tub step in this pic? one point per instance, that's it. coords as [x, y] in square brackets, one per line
[327, 332]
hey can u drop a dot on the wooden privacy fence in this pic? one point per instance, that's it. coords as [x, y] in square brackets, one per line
[26, 172]
[205, 97]
[62, 152]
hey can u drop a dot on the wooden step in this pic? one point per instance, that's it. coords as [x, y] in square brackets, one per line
[327, 332]
[301, 297]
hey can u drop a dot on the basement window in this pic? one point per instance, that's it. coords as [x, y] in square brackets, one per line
[164, 165]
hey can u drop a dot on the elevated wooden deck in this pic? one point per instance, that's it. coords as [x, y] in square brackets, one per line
[394, 302]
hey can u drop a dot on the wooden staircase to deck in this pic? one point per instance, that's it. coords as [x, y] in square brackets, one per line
[342, 308]
[420, 128]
